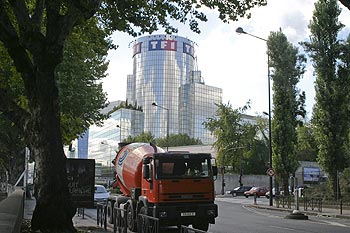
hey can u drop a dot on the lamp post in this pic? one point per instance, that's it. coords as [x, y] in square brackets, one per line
[120, 133]
[110, 158]
[240, 30]
[167, 123]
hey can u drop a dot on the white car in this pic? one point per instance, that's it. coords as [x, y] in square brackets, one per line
[101, 194]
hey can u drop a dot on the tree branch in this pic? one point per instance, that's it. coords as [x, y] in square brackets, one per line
[21, 12]
[38, 15]
[346, 3]
[9, 37]
[59, 26]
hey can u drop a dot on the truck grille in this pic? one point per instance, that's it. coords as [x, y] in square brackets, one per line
[185, 196]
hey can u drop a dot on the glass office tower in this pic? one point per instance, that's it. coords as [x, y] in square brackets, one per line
[197, 103]
[161, 65]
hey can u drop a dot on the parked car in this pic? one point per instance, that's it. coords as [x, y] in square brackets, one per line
[258, 191]
[101, 194]
[239, 191]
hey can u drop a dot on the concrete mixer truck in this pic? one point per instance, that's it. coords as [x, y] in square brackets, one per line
[175, 187]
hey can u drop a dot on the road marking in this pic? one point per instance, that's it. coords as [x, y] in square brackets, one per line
[259, 212]
[333, 223]
[285, 228]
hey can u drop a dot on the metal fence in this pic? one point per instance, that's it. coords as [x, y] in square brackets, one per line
[314, 204]
[147, 224]
[102, 215]
[119, 220]
[284, 201]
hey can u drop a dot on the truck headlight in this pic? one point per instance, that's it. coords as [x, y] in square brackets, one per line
[163, 214]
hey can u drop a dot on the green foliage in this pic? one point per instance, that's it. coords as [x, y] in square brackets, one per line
[330, 58]
[306, 148]
[177, 140]
[344, 184]
[11, 149]
[288, 67]
[140, 16]
[255, 160]
[174, 140]
[144, 137]
[80, 92]
[231, 132]
[127, 106]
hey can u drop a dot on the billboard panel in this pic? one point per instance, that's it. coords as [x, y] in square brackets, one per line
[311, 174]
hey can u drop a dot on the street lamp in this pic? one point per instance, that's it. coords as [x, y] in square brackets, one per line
[240, 30]
[120, 133]
[167, 123]
[110, 157]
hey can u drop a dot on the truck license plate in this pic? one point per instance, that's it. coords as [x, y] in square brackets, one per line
[186, 214]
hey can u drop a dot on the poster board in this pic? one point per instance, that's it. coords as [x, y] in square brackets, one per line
[81, 181]
[311, 174]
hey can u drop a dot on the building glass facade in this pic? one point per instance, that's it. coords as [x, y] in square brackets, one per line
[103, 140]
[162, 66]
[197, 104]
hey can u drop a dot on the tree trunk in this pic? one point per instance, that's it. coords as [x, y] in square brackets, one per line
[54, 209]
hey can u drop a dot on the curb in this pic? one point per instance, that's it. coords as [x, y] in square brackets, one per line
[305, 212]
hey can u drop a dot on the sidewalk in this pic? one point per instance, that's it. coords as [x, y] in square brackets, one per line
[85, 224]
[327, 212]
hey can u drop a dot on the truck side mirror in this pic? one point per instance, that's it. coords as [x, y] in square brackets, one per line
[146, 172]
[215, 170]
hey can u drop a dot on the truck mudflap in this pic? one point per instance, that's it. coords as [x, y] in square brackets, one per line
[186, 214]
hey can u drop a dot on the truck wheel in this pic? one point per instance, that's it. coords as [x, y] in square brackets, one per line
[203, 226]
[110, 205]
[130, 218]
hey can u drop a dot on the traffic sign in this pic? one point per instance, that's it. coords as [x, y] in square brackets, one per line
[270, 172]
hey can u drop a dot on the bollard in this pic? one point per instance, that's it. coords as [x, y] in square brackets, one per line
[254, 198]
[341, 207]
[296, 196]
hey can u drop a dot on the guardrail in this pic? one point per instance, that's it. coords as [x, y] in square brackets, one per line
[102, 215]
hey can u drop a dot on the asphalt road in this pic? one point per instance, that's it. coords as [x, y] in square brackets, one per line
[237, 216]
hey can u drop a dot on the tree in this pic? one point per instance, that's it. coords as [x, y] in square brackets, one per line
[306, 149]
[144, 137]
[256, 159]
[232, 135]
[288, 67]
[331, 111]
[79, 76]
[76, 114]
[178, 140]
[34, 34]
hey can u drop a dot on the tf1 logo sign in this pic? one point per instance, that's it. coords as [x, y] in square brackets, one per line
[162, 45]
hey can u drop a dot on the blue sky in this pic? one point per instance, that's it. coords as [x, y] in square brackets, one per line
[236, 63]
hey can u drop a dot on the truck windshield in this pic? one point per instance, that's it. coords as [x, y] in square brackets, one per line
[182, 168]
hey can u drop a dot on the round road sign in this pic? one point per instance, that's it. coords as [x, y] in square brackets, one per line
[270, 172]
